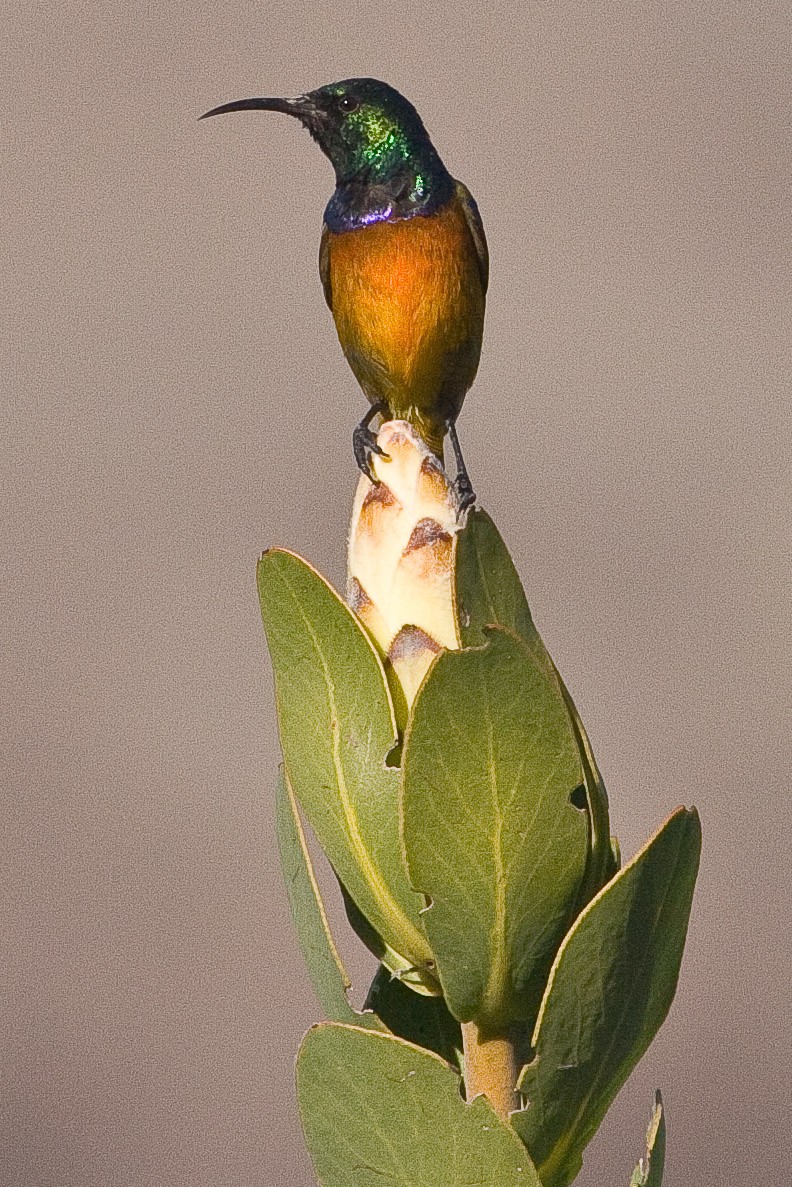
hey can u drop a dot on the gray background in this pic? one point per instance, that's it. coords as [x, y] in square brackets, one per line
[175, 400]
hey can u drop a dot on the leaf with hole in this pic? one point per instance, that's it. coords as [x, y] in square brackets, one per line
[611, 987]
[488, 592]
[490, 764]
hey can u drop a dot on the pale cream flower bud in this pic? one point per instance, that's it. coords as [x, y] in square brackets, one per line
[401, 554]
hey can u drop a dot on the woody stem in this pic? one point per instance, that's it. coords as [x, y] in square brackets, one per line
[491, 1067]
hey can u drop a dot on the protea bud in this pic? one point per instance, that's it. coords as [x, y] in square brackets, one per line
[401, 555]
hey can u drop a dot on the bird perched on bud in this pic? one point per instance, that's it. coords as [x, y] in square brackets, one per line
[403, 260]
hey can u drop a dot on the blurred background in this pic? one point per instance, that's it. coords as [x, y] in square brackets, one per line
[175, 400]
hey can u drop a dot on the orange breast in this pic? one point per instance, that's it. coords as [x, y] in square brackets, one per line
[408, 304]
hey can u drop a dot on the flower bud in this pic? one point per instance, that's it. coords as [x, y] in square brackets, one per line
[401, 554]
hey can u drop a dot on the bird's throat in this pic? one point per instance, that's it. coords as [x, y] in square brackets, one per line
[359, 203]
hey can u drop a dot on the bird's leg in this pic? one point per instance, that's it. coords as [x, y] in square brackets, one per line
[364, 442]
[462, 483]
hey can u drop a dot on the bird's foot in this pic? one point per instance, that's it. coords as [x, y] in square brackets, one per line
[364, 446]
[464, 491]
[462, 484]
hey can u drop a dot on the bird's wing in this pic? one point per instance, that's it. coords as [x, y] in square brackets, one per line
[476, 228]
[324, 265]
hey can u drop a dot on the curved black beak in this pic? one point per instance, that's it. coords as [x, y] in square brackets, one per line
[302, 108]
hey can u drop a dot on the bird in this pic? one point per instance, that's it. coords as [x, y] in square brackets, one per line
[403, 261]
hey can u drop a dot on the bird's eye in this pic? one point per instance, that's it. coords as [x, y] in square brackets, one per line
[348, 103]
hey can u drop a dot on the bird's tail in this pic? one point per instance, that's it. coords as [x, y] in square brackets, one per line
[431, 432]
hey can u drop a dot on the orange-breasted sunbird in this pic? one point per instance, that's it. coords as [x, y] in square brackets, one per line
[403, 260]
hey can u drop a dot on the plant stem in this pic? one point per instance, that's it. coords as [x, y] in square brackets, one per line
[491, 1067]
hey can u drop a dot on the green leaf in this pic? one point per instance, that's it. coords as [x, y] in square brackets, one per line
[602, 863]
[425, 1021]
[612, 984]
[649, 1171]
[390, 1005]
[376, 1111]
[337, 728]
[490, 763]
[325, 968]
[489, 592]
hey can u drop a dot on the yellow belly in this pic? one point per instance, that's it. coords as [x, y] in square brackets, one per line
[408, 304]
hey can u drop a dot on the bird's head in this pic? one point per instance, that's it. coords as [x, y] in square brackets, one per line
[366, 128]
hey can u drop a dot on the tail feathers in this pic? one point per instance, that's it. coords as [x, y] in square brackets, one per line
[430, 431]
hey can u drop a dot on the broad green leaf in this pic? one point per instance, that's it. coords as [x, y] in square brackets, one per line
[489, 592]
[425, 1021]
[325, 968]
[390, 1006]
[612, 984]
[337, 729]
[490, 763]
[649, 1171]
[376, 1110]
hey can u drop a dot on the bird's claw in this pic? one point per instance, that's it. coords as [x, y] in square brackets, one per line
[364, 446]
[464, 491]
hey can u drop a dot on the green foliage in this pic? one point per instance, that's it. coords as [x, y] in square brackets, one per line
[325, 968]
[377, 1110]
[610, 989]
[482, 873]
[490, 764]
[390, 1006]
[425, 1021]
[649, 1171]
[488, 591]
[337, 729]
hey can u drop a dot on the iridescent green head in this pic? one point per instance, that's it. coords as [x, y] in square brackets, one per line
[385, 164]
[368, 130]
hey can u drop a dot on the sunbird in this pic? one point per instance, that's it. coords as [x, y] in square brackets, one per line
[403, 261]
